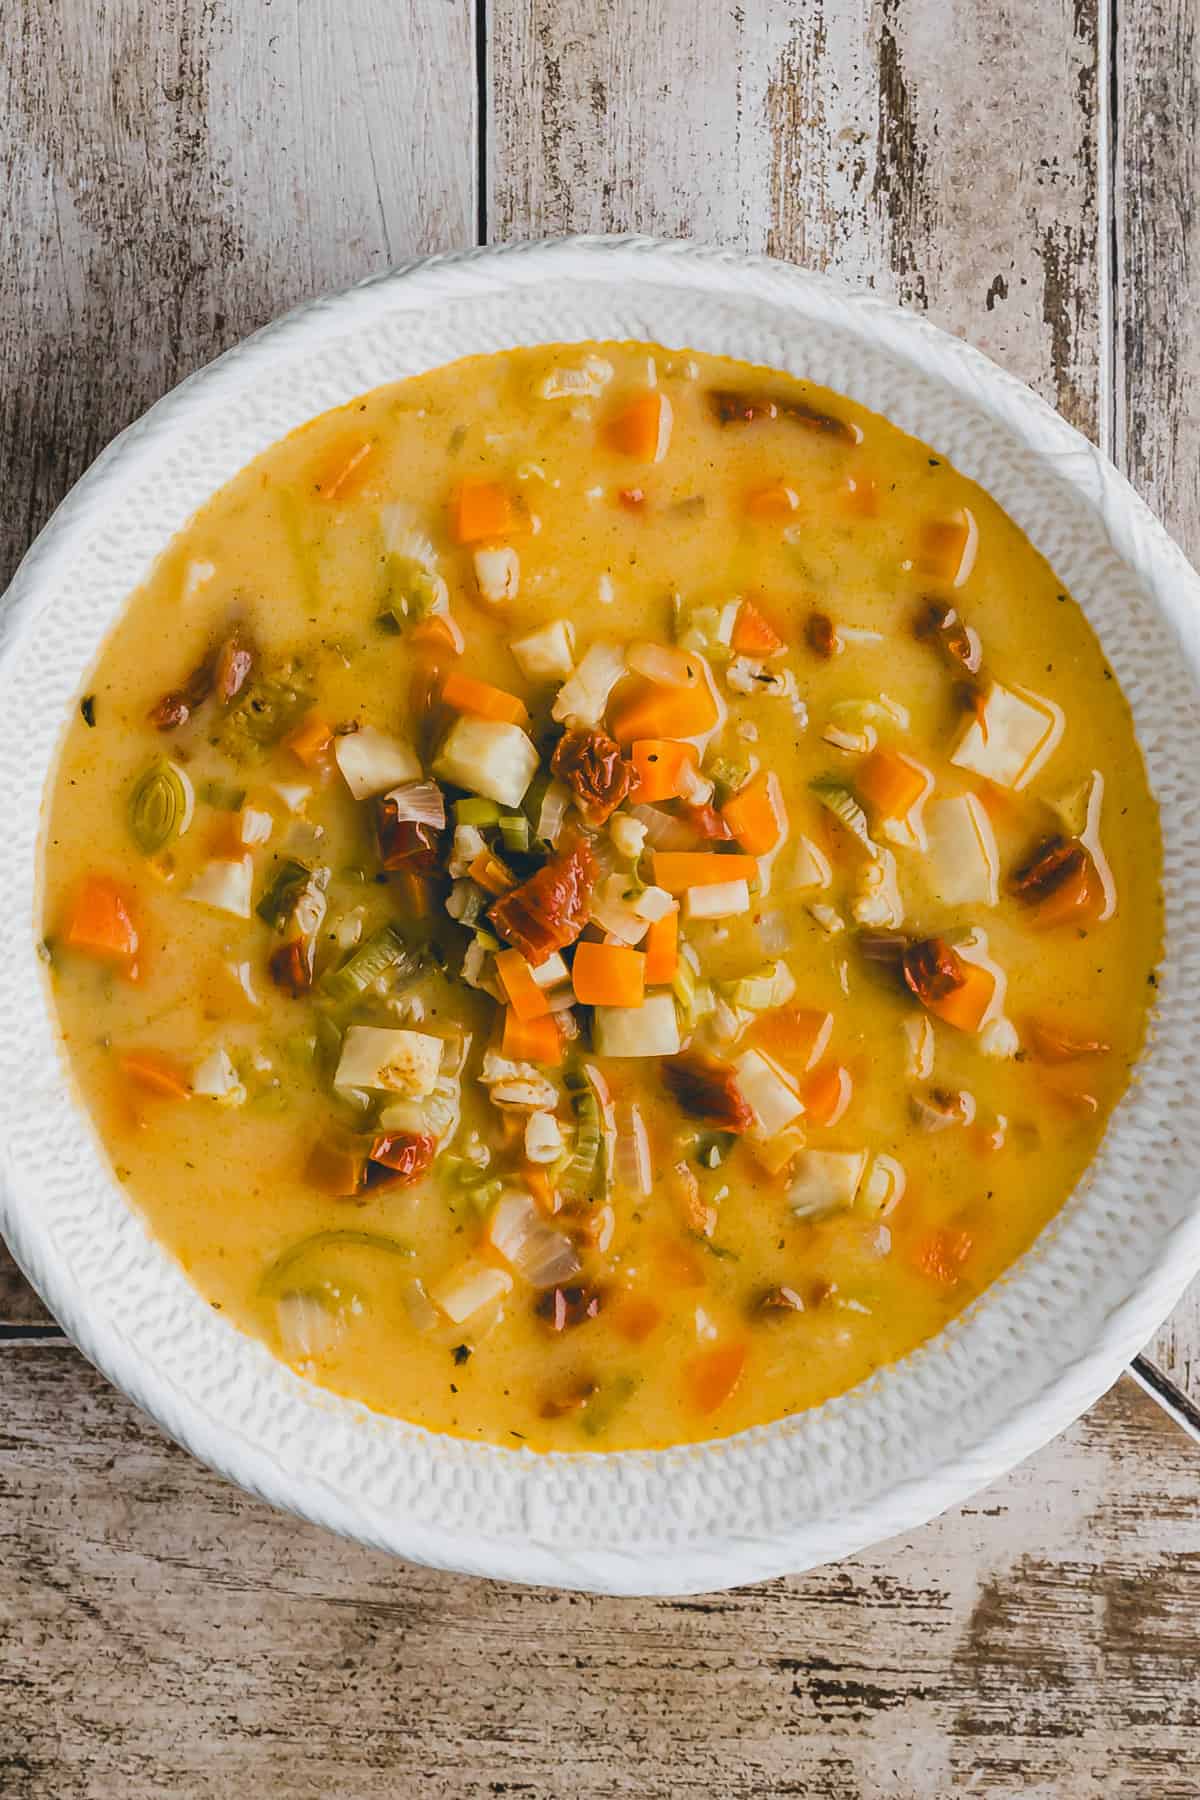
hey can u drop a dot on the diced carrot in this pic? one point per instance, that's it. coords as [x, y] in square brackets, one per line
[632, 499]
[753, 634]
[775, 501]
[466, 695]
[480, 510]
[677, 1265]
[1076, 901]
[525, 997]
[531, 1040]
[654, 711]
[439, 634]
[491, 874]
[859, 494]
[890, 784]
[156, 1073]
[644, 428]
[826, 1094]
[634, 1317]
[343, 471]
[100, 921]
[608, 975]
[659, 763]
[797, 1036]
[942, 1253]
[756, 814]
[712, 1377]
[662, 950]
[311, 741]
[947, 547]
[678, 870]
[964, 1007]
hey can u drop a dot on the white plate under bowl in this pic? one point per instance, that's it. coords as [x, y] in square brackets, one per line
[1019, 1365]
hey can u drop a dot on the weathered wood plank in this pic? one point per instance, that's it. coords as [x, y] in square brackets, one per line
[163, 1633]
[864, 139]
[1156, 402]
[174, 176]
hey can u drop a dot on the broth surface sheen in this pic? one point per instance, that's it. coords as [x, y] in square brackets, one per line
[392, 950]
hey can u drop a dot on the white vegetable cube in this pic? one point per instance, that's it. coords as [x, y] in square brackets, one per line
[488, 757]
[468, 1289]
[651, 1029]
[372, 762]
[215, 1078]
[551, 972]
[398, 1062]
[963, 859]
[581, 700]
[546, 655]
[614, 909]
[498, 574]
[811, 868]
[717, 900]
[294, 794]
[225, 886]
[1015, 736]
[825, 1181]
[767, 1092]
[653, 904]
[254, 825]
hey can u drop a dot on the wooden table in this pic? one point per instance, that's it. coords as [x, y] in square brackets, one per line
[176, 174]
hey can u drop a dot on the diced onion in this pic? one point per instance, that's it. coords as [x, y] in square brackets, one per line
[421, 802]
[417, 1304]
[531, 1247]
[631, 1152]
[663, 830]
[307, 1326]
[664, 666]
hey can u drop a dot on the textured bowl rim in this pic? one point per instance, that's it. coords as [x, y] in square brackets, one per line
[716, 1559]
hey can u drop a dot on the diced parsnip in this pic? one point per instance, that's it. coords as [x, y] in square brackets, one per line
[614, 908]
[825, 1181]
[651, 1029]
[254, 826]
[999, 1039]
[653, 904]
[215, 1078]
[964, 862]
[488, 757]
[582, 698]
[225, 886]
[548, 654]
[372, 762]
[718, 900]
[552, 972]
[543, 1138]
[397, 1062]
[498, 574]
[468, 1288]
[768, 1092]
[582, 382]
[811, 868]
[294, 794]
[877, 901]
[1012, 740]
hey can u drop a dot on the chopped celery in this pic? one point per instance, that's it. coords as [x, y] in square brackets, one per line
[223, 795]
[486, 940]
[767, 987]
[329, 1040]
[302, 1048]
[290, 1265]
[288, 883]
[836, 798]
[382, 954]
[728, 775]
[684, 983]
[598, 1413]
[582, 1171]
[477, 812]
[514, 831]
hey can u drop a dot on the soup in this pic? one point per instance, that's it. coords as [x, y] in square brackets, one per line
[597, 896]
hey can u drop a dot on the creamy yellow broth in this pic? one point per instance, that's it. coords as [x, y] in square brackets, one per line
[706, 1304]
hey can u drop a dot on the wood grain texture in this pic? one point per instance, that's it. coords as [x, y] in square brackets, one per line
[1156, 305]
[175, 176]
[162, 1633]
[863, 138]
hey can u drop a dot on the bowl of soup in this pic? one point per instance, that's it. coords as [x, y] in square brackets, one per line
[597, 979]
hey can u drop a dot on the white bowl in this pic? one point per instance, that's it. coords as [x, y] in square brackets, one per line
[1029, 1356]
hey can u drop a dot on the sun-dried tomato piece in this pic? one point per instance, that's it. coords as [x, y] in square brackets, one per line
[548, 912]
[234, 661]
[398, 1157]
[1051, 866]
[732, 407]
[405, 843]
[708, 822]
[941, 625]
[632, 499]
[933, 970]
[706, 1089]
[564, 1307]
[572, 1398]
[291, 966]
[1051, 1044]
[591, 765]
[821, 637]
[177, 707]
